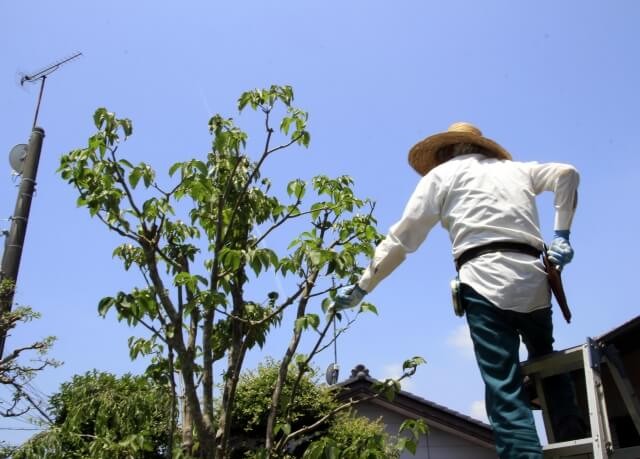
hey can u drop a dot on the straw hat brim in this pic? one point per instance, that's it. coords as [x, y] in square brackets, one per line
[423, 155]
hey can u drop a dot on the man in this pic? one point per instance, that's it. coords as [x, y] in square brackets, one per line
[487, 204]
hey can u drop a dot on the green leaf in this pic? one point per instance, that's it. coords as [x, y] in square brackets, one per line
[413, 362]
[325, 304]
[390, 393]
[285, 124]
[243, 100]
[314, 450]
[331, 452]
[174, 168]
[99, 116]
[134, 177]
[148, 174]
[285, 428]
[187, 280]
[126, 163]
[315, 257]
[296, 188]
[105, 304]
[313, 320]
[368, 307]
[304, 322]
[417, 427]
[407, 444]
[305, 139]
[301, 324]
[127, 127]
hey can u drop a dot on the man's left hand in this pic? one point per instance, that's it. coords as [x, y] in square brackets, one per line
[560, 251]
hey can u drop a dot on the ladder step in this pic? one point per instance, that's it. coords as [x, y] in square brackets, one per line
[569, 448]
[554, 363]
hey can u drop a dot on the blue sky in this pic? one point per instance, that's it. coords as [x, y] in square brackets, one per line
[550, 81]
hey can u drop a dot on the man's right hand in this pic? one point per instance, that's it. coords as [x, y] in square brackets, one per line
[348, 297]
[560, 251]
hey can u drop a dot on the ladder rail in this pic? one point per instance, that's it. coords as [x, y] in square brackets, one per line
[588, 358]
[628, 394]
[598, 419]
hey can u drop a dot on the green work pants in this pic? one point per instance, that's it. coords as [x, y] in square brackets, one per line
[496, 337]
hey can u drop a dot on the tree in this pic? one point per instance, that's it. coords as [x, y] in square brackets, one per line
[20, 365]
[101, 416]
[351, 435]
[197, 301]
[253, 403]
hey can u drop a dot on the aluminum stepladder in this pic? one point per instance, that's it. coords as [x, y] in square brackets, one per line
[589, 360]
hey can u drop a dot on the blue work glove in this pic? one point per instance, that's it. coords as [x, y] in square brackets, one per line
[348, 297]
[560, 251]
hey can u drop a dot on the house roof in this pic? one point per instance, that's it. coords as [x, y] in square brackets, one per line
[358, 386]
[624, 337]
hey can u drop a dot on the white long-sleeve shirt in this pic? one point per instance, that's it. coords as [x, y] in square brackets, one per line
[480, 200]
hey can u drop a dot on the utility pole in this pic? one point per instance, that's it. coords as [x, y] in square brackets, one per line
[15, 238]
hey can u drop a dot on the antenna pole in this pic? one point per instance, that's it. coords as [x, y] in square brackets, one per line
[15, 240]
[35, 118]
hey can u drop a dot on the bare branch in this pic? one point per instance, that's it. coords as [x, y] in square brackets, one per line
[288, 302]
[165, 257]
[167, 194]
[323, 292]
[20, 390]
[9, 413]
[336, 410]
[286, 145]
[38, 346]
[154, 331]
[326, 417]
[288, 217]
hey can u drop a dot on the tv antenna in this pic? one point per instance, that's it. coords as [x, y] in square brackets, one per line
[24, 159]
[42, 76]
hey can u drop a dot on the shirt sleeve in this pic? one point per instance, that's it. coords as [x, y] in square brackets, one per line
[562, 180]
[420, 215]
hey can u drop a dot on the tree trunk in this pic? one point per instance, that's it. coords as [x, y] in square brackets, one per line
[284, 365]
[186, 357]
[187, 427]
[203, 431]
[234, 365]
[207, 366]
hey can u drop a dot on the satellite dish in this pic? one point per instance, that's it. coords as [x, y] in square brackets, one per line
[17, 156]
[331, 375]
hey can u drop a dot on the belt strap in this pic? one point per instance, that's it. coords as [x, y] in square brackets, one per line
[500, 246]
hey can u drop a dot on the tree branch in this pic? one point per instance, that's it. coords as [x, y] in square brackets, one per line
[335, 411]
[123, 183]
[285, 145]
[32, 402]
[288, 217]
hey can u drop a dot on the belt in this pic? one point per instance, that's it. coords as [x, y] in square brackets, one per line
[500, 246]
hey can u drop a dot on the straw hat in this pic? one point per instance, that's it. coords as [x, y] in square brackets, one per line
[423, 155]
